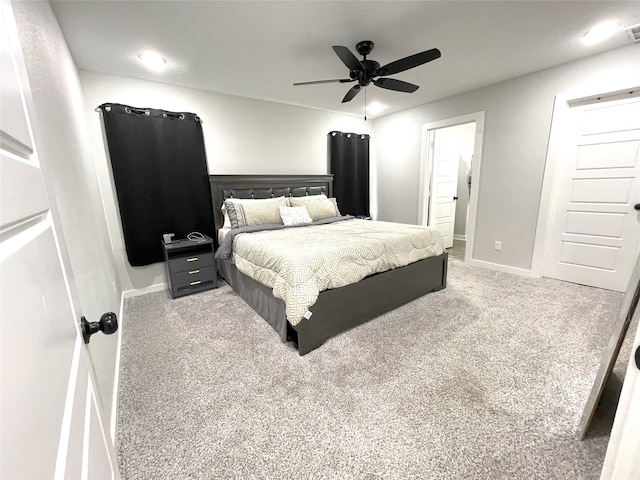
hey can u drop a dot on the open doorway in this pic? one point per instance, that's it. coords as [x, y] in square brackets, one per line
[448, 181]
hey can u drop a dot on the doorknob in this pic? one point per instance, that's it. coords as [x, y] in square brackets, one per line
[108, 324]
[638, 358]
[637, 206]
[455, 198]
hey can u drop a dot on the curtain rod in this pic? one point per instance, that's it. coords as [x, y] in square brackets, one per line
[349, 134]
[147, 112]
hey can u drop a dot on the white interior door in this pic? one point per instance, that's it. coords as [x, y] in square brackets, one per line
[445, 154]
[50, 421]
[594, 232]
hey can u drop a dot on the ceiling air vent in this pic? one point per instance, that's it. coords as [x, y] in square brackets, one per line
[634, 32]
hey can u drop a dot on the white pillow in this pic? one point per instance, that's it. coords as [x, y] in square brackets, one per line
[227, 220]
[294, 215]
[318, 208]
[254, 213]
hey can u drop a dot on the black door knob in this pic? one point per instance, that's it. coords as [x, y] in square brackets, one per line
[637, 206]
[638, 358]
[455, 198]
[108, 324]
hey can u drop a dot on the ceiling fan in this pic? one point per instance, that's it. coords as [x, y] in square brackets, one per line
[366, 71]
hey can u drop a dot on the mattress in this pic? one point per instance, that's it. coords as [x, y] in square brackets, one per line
[299, 263]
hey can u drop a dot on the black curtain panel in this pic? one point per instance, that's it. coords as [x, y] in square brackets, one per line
[161, 178]
[349, 163]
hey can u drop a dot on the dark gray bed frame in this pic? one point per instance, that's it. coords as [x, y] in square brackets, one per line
[336, 310]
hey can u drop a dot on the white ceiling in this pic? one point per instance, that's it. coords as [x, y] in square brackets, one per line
[258, 49]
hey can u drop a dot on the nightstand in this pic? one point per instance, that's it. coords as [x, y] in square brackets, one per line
[191, 267]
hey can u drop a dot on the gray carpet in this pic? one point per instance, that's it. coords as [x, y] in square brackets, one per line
[485, 379]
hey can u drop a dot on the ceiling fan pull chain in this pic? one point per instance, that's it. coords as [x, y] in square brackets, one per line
[365, 104]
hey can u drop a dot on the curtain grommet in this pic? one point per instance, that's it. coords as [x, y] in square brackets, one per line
[182, 116]
[127, 110]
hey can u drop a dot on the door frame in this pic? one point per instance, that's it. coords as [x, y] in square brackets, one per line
[428, 129]
[559, 123]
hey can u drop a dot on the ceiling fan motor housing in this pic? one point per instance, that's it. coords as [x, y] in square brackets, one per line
[366, 75]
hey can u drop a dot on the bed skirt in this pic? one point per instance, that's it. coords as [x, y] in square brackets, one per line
[257, 295]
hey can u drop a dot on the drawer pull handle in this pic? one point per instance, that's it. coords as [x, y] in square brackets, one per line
[194, 271]
[194, 259]
[198, 282]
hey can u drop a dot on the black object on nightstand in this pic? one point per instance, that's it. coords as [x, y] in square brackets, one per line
[190, 264]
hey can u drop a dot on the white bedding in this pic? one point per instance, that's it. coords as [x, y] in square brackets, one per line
[299, 263]
[221, 234]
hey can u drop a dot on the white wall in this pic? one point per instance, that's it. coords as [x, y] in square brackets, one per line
[517, 125]
[241, 136]
[67, 163]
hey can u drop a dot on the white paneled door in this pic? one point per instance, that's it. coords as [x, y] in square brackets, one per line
[50, 420]
[445, 154]
[594, 233]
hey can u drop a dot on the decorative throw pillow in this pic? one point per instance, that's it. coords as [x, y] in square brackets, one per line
[318, 208]
[243, 212]
[294, 215]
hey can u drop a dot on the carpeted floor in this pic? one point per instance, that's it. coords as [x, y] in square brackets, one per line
[485, 379]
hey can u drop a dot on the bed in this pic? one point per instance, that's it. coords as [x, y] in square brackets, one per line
[337, 309]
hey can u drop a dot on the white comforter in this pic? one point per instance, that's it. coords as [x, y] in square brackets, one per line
[299, 263]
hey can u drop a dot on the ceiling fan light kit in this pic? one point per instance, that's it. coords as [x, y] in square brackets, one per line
[367, 71]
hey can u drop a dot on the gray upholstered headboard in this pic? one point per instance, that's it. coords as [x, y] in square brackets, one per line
[264, 186]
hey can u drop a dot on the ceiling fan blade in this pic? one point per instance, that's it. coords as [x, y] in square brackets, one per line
[337, 80]
[353, 91]
[348, 58]
[408, 62]
[397, 85]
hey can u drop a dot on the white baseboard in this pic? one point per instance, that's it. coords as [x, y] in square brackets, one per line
[501, 268]
[462, 238]
[143, 291]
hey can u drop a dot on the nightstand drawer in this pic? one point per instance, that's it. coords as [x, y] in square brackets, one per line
[181, 290]
[197, 261]
[193, 277]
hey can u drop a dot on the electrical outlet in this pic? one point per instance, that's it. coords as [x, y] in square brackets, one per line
[498, 245]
